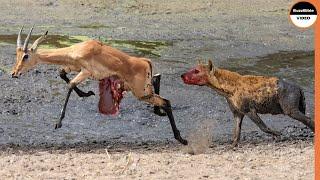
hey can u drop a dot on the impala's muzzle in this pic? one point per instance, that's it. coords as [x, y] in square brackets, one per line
[15, 75]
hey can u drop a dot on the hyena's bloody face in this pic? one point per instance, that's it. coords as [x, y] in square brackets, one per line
[198, 75]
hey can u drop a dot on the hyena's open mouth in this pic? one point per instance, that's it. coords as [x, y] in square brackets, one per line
[111, 93]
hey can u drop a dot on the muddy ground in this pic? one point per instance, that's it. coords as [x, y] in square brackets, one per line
[254, 38]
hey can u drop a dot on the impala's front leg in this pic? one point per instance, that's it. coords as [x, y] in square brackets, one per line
[166, 106]
[63, 75]
[72, 84]
[63, 111]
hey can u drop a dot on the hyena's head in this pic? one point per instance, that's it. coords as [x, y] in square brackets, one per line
[26, 58]
[199, 75]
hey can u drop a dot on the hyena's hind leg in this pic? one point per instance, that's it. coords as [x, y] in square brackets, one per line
[293, 105]
[63, 75]
[156, 85]
[302, 118]
[258, 121]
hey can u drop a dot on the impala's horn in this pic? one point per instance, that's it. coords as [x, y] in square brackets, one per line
[19, 41]
[26, 42]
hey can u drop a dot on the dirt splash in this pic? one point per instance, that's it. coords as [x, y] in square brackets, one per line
[200, 138]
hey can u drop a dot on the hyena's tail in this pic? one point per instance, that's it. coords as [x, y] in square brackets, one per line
[302, 103]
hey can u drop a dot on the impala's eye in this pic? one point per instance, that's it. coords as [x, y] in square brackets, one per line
[25, 57]
[196, 71]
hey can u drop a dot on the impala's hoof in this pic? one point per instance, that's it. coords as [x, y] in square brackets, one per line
[58, 125]
[183, 141]
[90, 93]
[180, 139]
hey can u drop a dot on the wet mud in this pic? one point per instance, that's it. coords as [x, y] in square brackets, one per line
[173, 35]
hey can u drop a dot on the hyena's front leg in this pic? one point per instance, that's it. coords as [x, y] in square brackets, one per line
[63, 75]
[238, 117]
[157, 100]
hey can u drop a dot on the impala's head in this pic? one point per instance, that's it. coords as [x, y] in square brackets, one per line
[199, 75]
[25, 59]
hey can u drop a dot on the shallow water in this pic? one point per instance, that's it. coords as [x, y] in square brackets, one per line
[296, 66]
[137, 47]
[93, 26]
[31, 104]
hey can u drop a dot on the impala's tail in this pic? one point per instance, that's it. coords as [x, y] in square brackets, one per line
[111, 93]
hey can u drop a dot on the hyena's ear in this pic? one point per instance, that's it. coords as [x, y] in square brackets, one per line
[211, 66]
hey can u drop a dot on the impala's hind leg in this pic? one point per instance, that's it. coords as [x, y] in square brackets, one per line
[166, 106]
[156, 85]
[63, 75]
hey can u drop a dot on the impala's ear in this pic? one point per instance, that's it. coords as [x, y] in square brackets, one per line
[38, 41]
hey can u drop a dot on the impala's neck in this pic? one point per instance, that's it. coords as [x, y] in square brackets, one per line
[224, 81]
[53, 56]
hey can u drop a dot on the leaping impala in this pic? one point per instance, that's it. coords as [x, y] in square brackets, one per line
[116, 71]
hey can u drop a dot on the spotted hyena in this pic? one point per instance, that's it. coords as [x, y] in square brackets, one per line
[250, 95]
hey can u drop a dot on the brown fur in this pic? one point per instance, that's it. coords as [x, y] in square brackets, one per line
[250, 95]
[92, 59]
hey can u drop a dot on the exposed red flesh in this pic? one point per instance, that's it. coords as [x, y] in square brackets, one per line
[111, 93]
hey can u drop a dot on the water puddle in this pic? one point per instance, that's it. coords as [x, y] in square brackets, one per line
[52, 41]
[297, 66]
[140, 48]
[93, 26]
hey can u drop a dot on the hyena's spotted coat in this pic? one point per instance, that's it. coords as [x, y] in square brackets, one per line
[250, 95]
